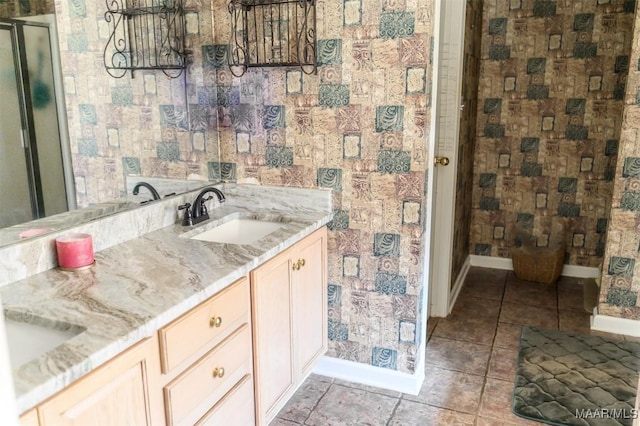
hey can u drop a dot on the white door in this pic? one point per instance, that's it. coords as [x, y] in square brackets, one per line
[448, 55]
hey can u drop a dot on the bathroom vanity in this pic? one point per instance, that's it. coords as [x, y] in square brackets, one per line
[176, 330]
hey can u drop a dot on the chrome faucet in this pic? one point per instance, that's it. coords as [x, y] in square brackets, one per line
[154, 193]
[200, 213]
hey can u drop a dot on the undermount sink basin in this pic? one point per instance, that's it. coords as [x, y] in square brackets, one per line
[239, 231]
[28, 341]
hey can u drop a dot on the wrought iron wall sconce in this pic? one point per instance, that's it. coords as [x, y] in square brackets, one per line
[272, 33]
[145, 35]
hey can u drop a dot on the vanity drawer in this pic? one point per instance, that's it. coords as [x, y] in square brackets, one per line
[211, 321]
[235, 409]
[194, 392]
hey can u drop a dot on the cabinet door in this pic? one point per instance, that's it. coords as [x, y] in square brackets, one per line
[272, 335]
[310, 300]
[122, 392]
[29, 418]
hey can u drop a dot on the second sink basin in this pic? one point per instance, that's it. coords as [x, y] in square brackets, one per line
[28, 341]
[239, 231]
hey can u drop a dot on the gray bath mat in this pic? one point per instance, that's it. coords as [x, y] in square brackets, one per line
[565, 378]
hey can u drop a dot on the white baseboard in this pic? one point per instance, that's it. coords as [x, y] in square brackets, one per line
[457, 286]
[614, 325]
[506, 263]
[370, 375]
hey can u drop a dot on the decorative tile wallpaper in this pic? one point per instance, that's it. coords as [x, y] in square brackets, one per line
[621, 269]
[467, 137]
[145, 125]
[19, 8]
[360, 128]
[551, 92]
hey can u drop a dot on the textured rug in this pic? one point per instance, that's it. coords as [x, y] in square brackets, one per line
[567, 378]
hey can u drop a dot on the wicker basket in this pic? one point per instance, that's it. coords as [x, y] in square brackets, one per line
[538, 264]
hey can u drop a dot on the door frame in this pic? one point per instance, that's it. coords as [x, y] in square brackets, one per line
[49, 20]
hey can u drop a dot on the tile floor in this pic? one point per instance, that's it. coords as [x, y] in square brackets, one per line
[470, 361]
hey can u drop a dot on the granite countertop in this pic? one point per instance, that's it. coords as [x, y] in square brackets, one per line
[140, 285]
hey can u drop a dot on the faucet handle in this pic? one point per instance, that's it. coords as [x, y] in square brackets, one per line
[203, 207]
[188, 218]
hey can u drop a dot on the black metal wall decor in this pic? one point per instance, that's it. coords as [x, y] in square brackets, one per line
[145, 35]
[272, 33]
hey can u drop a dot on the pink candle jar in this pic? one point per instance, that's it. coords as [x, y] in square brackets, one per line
[75, 251]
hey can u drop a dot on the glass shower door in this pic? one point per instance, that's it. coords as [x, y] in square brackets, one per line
[15, 194]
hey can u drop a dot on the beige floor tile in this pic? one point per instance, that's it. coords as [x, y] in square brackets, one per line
[629, 339]
[431, 325]
[409, 413]
[570, 295]
[569, 282]
[387, 392]
[536, 316]
[450, 389]
[611, 335]
[346, 406]
[513, 278]
[507, 335]
[459, 356]
[486, 276]
[482, 290]
[475, 307]
[534, 294]
[474, 330]
[282, 422]
[579, 322]
[502, 364]
[496, 403]
[305, 399]
[485, 421]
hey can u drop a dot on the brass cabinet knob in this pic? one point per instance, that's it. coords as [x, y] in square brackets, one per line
[215, 322]
[218, 372]
[299, 264]
[443, 161]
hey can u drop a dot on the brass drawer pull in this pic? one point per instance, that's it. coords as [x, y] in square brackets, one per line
[301, 262]
[218, 372]
[215, 322]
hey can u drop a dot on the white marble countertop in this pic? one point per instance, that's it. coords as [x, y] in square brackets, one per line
[140, 285]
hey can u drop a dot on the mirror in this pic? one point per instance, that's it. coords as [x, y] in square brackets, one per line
[117, 132]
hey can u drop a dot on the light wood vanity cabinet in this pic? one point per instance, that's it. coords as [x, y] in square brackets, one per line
[124, 391]
[289, 315]
[233, 360]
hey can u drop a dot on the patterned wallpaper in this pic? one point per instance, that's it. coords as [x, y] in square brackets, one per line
[621, 270]
[552, 83]
[467, 137]
[19, 8]
[358, 127]
[140, 126]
